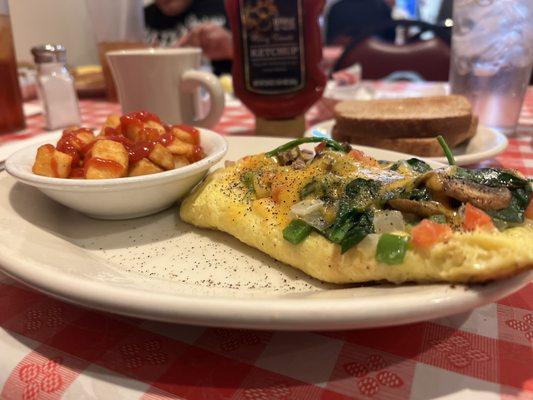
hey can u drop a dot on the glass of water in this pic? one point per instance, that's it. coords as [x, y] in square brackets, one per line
[492, 58]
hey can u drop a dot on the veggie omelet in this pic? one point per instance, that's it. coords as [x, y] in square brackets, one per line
[341, 216]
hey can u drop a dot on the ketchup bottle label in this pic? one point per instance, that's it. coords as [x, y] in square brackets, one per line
[272, 44]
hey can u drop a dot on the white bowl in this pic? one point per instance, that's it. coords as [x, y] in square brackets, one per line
[120, 198]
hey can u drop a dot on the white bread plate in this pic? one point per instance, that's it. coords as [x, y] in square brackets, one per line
[486, 144]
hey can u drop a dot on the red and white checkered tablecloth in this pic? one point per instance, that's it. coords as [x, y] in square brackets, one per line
[51, 350]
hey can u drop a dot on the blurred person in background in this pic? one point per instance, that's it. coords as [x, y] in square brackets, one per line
[345, 19]
[192, 23]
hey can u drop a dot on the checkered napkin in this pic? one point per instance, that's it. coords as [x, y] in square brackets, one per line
[51, 350]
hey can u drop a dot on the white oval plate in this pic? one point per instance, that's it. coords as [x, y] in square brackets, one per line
[159, 268]
[486, 144]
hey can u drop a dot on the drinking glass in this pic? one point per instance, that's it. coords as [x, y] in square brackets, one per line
[117, 25]
[492, 58]
[11, 115]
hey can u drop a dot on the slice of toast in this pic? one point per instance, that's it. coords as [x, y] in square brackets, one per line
[424, 147]
[421, 117]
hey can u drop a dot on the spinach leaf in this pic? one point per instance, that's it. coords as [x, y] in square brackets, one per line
[353, 239]
[398, 193]
[341, 227]
[360, 194]
[385, 163]
[418, 165]
[420, 194]
[395, 166]
[515, 212]
[363, 226]
[415, 164]
[491, 177]
[308, 189]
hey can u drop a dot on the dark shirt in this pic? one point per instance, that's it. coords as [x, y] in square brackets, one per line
[354, 17]
[166, 30]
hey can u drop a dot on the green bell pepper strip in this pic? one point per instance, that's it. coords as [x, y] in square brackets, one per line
[293, 143]
[297, 231]
[391, 249]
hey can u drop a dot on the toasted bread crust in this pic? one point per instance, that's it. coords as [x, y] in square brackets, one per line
[424, 147]
[404, 118]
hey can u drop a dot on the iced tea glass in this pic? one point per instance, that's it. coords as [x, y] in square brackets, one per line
[11, 114]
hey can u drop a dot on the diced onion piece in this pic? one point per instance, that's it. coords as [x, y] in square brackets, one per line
[369, 244]
[388, 221]
[306, 207]
[310, 211]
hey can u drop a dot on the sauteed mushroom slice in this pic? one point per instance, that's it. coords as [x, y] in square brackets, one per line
[481, 196]
[422, 208]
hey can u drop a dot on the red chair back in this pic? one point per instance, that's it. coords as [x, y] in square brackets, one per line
[429, 58]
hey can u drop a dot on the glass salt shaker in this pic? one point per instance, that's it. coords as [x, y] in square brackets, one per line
[56, 87]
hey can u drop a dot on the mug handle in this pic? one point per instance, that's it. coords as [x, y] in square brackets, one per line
[191, 79]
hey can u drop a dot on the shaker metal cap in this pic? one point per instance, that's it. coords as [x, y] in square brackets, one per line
[47, 53]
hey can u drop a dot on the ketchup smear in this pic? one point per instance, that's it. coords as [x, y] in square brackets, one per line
[73, 146]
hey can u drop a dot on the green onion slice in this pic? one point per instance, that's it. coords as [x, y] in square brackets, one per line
[293, 143]
[447, 152]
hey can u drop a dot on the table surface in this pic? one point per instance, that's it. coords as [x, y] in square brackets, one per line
[50, 349]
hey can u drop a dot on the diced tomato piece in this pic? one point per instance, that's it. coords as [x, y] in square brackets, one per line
[357, 154]
[475, 218]
[276, 193]
[321, 146]
[529, 209]
[363, 158]
[427, 233]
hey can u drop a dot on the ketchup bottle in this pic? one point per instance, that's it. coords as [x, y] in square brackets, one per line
[277, 58]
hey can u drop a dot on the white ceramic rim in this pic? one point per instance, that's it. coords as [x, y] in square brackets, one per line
[281, 313]
[469, 158]
[11, 147]
[463, 159]
[154, 51]
[221, 147]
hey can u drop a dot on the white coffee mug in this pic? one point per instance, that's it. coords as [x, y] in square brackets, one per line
[165, 82]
